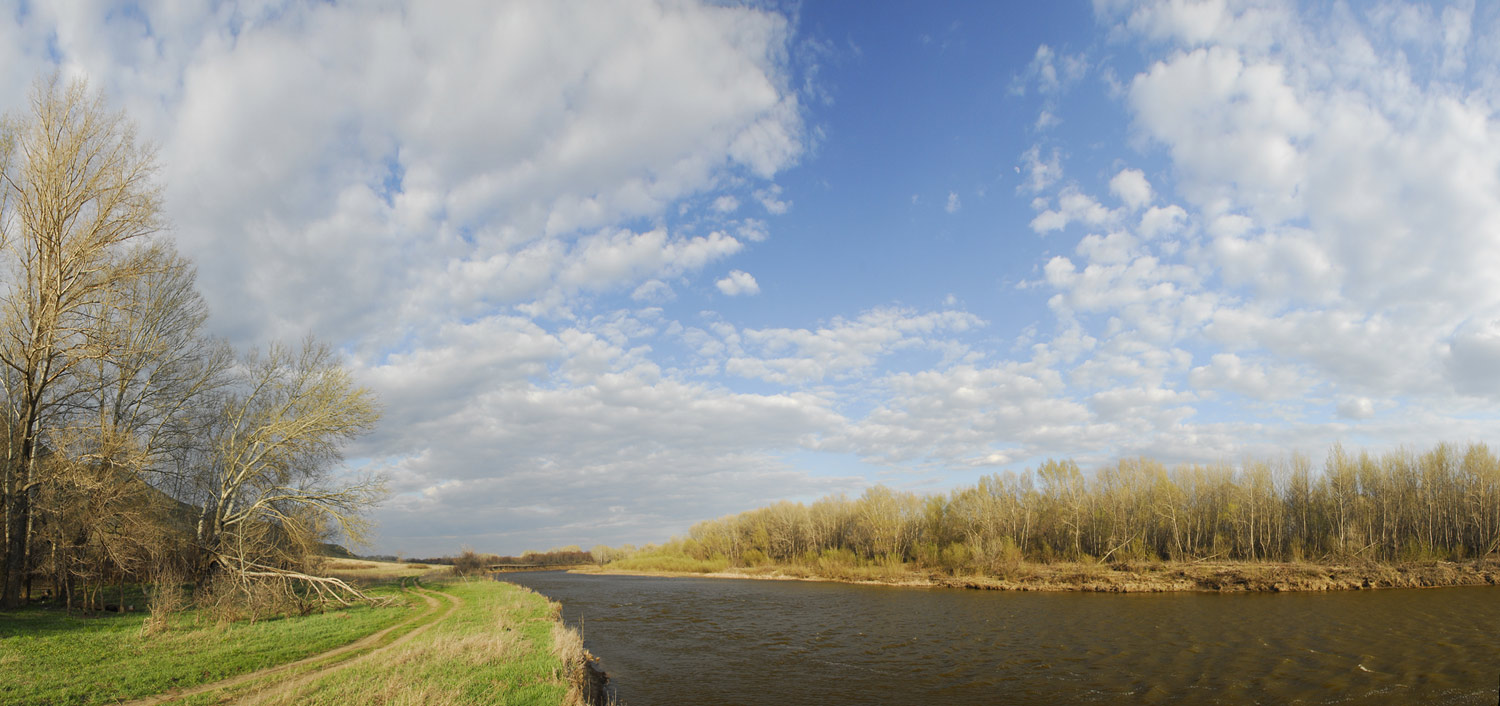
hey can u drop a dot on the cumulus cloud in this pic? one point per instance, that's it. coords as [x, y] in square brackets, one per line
[953, 203]
[842, 348]
[1313, 252]
[1073, 206]
[738, 283]
[419, 143]
[1230, 372]
[1131, 188]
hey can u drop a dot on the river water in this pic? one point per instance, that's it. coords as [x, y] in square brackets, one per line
[728, 641]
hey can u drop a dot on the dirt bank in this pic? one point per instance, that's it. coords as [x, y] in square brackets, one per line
[1152, 577]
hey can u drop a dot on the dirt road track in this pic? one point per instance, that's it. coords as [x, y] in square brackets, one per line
[435, 611]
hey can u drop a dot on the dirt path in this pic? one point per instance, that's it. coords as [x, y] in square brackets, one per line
[291, 685]
[433, 606]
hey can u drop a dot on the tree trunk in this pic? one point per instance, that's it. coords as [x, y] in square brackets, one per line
[15, 550]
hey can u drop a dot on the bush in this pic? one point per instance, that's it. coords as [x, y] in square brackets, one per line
[468, 563]
[166, 598]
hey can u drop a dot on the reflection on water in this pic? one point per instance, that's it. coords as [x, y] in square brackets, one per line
[723, 641]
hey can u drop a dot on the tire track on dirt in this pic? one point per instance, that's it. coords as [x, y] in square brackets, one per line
[433, 606]
[292, 685]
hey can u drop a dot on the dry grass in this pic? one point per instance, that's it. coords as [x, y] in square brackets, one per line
[502, 644]
[372, 571]
[1132, 577]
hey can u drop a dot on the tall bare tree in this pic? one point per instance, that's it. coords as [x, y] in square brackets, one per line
[268, 482]
[75, 189]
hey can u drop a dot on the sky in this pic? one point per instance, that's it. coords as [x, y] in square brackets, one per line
[617, 267]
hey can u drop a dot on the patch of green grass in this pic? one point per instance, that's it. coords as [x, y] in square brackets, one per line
[50, 657]
[499, 646]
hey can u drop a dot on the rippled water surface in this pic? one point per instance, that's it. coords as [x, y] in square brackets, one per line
[726, 641]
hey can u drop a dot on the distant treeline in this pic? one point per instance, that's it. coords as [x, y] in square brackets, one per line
[471, 562]
[1399, 506]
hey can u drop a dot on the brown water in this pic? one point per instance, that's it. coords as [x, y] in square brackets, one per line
[725, 641]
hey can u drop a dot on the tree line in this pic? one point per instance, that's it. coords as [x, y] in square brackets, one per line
[1443, 503]
[136, 447]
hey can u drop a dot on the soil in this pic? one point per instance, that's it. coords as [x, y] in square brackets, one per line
[1155, 577]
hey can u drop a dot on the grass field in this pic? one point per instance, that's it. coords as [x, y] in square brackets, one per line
[365, 571]
[501, 644]
[462, 642]
[50, 657]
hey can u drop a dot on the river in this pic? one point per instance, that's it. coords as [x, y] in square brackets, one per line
[729, 641]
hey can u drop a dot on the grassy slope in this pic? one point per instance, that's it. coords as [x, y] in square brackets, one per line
[49, 657]
[498, 647]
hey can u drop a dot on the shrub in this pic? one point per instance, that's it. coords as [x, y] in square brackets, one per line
[468, 563]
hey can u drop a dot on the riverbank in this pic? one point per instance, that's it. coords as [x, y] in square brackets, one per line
[1141, 577]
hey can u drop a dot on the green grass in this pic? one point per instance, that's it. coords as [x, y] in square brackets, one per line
[501, 645]
[50, 657]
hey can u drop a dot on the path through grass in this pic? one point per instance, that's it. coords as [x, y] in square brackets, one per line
[501, 644]
[49, 657]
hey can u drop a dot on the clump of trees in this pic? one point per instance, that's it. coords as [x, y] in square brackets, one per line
[1400, 506]
[470, 562]
[135, 446]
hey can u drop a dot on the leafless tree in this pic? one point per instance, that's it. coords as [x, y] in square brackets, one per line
[267, 486]
[75, 189]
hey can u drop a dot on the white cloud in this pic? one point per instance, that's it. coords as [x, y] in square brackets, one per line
[1356, 408]
[1158, 221]
[969, 415]
[1131, 188]
[1040, 173]
[770, 199]
[1473, 358]
[953, 203]
[1228, 371]
[842, 348]
[420, 141]
[738, 283]
[1073, 206]
[1051, 72]
[653, 290]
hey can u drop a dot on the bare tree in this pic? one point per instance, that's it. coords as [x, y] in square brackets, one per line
[75, 189]
[155, 373]
[268, 485]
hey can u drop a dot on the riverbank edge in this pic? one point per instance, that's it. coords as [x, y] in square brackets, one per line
[1218, 577]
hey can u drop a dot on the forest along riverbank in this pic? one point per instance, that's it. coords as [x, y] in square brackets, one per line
[1136, 577]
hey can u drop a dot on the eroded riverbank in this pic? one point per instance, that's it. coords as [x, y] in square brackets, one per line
[1144, 577]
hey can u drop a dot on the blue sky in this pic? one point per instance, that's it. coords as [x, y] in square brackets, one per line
[618, 267]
